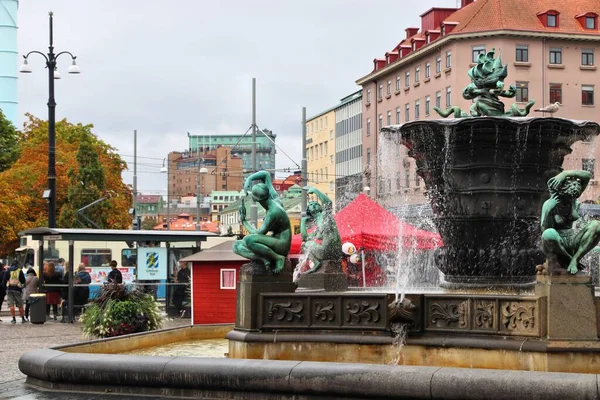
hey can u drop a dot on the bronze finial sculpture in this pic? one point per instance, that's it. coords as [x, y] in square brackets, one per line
[565, 246]
[486, 88]
[324, 242]
[270, 249]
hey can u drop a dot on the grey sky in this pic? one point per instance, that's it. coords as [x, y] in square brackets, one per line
[170, 67]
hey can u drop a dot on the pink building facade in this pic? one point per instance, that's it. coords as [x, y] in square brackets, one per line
[429, 67]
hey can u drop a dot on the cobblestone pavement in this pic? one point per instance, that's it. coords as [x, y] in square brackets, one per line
[20, 338]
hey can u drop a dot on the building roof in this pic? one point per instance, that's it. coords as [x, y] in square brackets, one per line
[220, 252]
[504, 15]
[147, 198]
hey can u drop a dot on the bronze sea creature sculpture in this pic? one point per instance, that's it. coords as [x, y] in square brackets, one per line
[486, 88]
[324, 242]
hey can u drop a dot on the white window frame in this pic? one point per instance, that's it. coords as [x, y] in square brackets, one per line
[234, 278]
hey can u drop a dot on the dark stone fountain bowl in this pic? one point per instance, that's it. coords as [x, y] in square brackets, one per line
[486, 180]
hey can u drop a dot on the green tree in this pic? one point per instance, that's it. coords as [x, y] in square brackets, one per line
[148, 224]
[87, 184]
[9, 143]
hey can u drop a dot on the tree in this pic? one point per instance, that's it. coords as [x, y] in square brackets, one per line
[9, 143]
[21, 185]
[149, 224]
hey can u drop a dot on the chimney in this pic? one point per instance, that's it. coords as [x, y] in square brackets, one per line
[464, 3]
[410, 32]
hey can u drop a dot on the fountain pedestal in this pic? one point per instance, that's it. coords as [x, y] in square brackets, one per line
[571, 309]
[254, 280]
[330, 277]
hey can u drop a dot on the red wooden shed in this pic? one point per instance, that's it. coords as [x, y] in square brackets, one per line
[214, 284]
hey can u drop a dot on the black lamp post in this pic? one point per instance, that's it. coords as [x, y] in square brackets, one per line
[52, 75]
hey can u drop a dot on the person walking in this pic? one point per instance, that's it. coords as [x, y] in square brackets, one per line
[82, 293]
[2, 287]
[14, 281]
[60, 267]
[31, 286]
[51, 277]
[181, 291]
[115, 275]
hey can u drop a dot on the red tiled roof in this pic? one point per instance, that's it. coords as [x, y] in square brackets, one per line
[486, 15]
[147, 198]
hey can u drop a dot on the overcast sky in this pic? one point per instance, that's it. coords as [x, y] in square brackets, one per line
[170, 67]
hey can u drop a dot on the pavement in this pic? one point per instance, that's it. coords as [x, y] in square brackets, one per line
[17, 339]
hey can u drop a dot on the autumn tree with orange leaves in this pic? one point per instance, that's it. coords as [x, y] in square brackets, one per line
[22, 184]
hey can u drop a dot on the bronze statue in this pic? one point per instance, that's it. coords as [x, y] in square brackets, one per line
[562, 244]
[258, 245]
[324, 242]
[486, 88]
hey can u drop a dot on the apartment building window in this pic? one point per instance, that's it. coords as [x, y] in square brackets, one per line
[438, 65]
[417, 179]
[368, 156]
[407, 79]
[397, 83]
[368, 96]
[326, 146]
[380, 94]
[448, 59]
[380, 122]
[587, 57]
[407, 112]
[475, 52]
[427, 70]
[552, 20]
[587, 95]
[588, 164]
[590, 22]
[556, 92]
[522, 53]
[417, 109]
[407, 178]
[448, 97]
[331, 135]
[438, 99]
[417, 73]
[522, 91]
[330, 159]
[368, 126]
[397, 115]
[427, 105]
[389, 118]
[389, 88]
[555, 55]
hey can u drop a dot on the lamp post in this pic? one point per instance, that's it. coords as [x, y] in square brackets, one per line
[202, 170]
[166, 170]
[52, 75]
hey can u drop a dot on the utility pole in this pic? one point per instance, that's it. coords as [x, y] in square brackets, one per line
[135, 215]
[253, 207]
[304, 165]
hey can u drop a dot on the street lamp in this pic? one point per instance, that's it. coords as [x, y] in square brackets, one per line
[52, 75]
[202, 170]
[165, 170]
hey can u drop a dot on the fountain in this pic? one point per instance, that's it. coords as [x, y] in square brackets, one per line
[487, 174]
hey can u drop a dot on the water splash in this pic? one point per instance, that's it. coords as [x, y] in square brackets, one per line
[399, 331]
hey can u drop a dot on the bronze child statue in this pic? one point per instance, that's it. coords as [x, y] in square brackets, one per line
[562, 244]
[272, 249]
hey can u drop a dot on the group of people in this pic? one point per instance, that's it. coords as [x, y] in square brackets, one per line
[17, 287]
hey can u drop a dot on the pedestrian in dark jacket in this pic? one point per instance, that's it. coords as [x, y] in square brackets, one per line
[115, 275]
[2, 287]
[14, 281]
[31, 286]
[82, 293]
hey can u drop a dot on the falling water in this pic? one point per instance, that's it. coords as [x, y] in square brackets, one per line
[399, 339]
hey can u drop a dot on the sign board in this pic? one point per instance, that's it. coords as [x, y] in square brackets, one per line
[99, 274]
[51, 238]
[152, 263]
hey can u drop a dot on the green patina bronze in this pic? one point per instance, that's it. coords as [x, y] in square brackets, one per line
[565, 246]
[486, 88]
[324, 242]
[271, 242]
